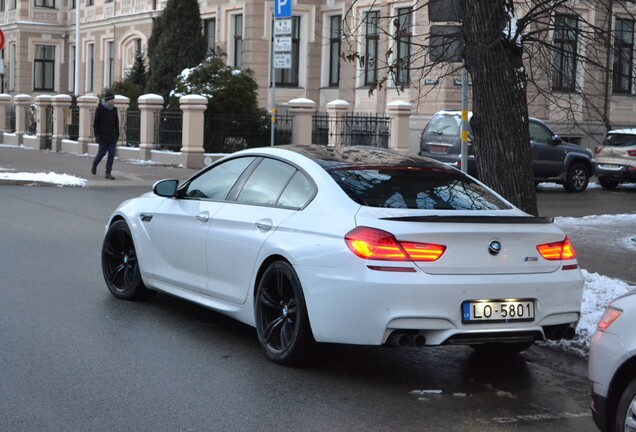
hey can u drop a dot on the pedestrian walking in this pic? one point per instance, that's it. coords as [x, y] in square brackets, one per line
[106, 130]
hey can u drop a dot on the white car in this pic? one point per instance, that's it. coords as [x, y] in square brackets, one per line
[352, 245]
[612, 366]
[616, 158]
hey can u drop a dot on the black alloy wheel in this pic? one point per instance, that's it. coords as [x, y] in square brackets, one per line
[120, 266]
[608, 184]
[281, 316]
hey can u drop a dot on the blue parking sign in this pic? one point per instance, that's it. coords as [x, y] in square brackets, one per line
[282, 8]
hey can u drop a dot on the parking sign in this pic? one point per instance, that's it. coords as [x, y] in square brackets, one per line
[282, 8]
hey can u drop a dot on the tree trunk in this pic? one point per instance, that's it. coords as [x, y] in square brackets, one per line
[500, 109]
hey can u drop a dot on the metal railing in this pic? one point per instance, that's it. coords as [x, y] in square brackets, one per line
[320, 128]
[132, 128]
[169, 130]
[71, 123]
[10, 119]
[362, 129]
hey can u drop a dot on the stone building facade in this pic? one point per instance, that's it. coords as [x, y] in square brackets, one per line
[40, 43]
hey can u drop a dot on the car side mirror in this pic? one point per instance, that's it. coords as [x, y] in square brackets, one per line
[556, 139]
[166, 188]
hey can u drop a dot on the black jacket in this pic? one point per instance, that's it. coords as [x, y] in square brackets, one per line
[106, 125]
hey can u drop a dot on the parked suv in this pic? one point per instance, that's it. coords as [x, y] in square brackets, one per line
[612, 366]
[616, 158]
[553, 159]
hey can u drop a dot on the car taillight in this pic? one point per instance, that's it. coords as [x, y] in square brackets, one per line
[631, 153]
[376, 244]
[597, 149]
[609, 316]
[557, 251]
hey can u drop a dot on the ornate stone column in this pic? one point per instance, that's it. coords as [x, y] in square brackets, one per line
[302, 110]
[87, 106]
[149, 107]
[192, 152]
[42, 102]
[61, 104]
[21, 101]
[5, 102]
[337, 110]
[400, 113]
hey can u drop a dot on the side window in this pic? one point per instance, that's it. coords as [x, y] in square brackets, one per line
[539, 133]
[266, 183]
[217, 182]
[297, 193]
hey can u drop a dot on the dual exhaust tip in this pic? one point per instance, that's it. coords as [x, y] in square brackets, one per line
[400, 339]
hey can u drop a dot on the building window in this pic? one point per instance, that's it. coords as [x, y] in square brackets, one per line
[90, 2]
[45, 3]
[110, 64]
[623, 56]
[372, 36]
[209, 32]
[72, 4]
[90, 63]
[1, 5]
[12, 66]
[334, 50]
[44, 68]
[403, 40]
[238, 40]
[12, 4]
[71, 68]
[289, 77]
[565, 38]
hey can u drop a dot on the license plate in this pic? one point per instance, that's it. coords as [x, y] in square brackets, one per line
[439, 149]
[610, 167]
[497, 311]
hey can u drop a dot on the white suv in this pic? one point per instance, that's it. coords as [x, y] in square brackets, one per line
[616, 158]
[612, 366]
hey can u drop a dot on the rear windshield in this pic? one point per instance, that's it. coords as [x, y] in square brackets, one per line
[620, 140]
[444, 125]
[413, 187]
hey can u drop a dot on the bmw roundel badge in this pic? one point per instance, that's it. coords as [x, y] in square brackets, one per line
[494, 247]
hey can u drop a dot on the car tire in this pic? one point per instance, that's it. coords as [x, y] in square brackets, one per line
[608, 184]
[502, 349]
[282, 323]
[578, 177]
[120, 266]
[626, 411]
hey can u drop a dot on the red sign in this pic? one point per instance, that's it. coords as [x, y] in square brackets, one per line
[1, 39]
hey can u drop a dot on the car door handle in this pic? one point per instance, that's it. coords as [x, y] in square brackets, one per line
[203, 217]
[264, 224]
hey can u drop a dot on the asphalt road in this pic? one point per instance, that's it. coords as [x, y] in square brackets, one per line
[74, 358]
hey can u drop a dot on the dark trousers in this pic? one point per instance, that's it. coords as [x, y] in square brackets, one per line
[103, 148]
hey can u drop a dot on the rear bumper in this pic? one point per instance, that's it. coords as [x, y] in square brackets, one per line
[627, 173]
[599, 412]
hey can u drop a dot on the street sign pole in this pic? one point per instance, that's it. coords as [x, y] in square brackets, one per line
[282, 26]
[273, 119]
[464, 141]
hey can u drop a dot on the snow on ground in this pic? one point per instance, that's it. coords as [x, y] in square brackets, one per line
[51, 177]
[598, 291]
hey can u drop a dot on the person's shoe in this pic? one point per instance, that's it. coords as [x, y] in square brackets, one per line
[93, 170]
[110, 177]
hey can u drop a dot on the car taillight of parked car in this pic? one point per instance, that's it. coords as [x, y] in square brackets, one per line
[597, 149]
[609, 316]
[631, 153]
[557, 251]
[375, 244]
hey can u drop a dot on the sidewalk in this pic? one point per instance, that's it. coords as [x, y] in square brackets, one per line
[126, 172]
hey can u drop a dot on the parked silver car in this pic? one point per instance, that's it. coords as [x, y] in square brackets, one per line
[616, 158]
[612, 366]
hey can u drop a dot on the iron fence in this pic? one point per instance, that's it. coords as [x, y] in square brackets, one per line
[10, 119]
[71, 123]
[227, 133]
[48, 127]
[30, 122]
[320, 128]
[132, 128]
[169, 130]
[362, 129]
